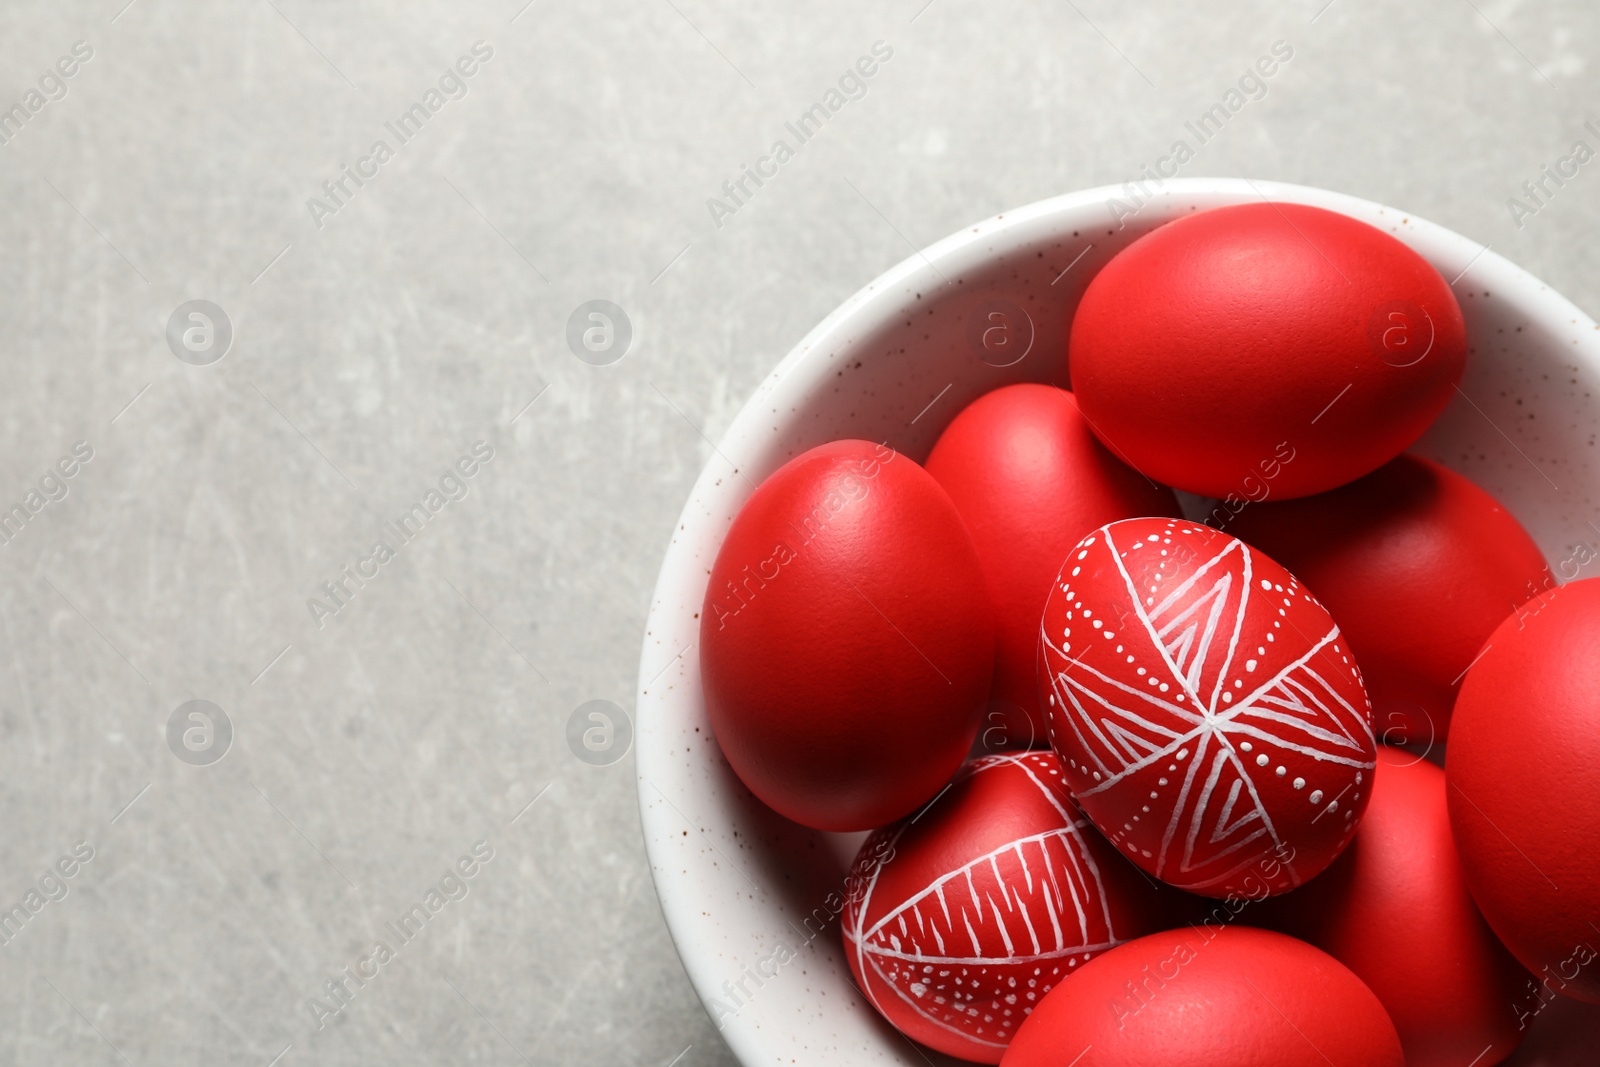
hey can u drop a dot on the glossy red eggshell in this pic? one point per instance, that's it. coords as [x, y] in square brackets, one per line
[1418, 565]
[1395, 909]
[1228, 997]
[958, 919]
[1524, 790]
[1211, 719]
[846, 641]
[1215, 345]
[1030, 479]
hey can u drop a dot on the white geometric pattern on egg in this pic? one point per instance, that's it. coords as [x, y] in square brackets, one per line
[1209, 715]
[974, 952]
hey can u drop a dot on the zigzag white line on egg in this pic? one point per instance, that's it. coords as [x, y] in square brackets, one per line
[983, 961]
[997, 896]
[964, 873]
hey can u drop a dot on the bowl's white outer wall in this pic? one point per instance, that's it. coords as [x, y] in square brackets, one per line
[743, 890]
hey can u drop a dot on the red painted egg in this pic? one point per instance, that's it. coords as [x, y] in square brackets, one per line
[1265, 349]
[1211, 718]
[1419, 566]
[846, 642]
[1395, 910]
[1229, 997]
[1030, 479]
[1523, 771]
[960, 918]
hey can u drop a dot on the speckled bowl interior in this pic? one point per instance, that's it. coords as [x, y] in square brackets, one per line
[746, 895]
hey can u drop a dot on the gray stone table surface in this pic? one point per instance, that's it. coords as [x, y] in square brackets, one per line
[392, 325]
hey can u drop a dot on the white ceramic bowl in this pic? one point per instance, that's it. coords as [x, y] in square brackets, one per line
[745, 893]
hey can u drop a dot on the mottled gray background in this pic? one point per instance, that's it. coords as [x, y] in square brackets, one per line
[372, 351]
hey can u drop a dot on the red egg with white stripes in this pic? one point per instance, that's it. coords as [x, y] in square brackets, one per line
[959, 919]
[1210, 717]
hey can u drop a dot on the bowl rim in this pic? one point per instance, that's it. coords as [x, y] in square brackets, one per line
[875, 303]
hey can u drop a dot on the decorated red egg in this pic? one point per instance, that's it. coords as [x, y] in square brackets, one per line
[959, 919]
[846, 642]
[1395, 910]
[1031, 479]
[1524, 790]
[1227, 997]
[1209, 714]
[1265, 349]
[1419, 566]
